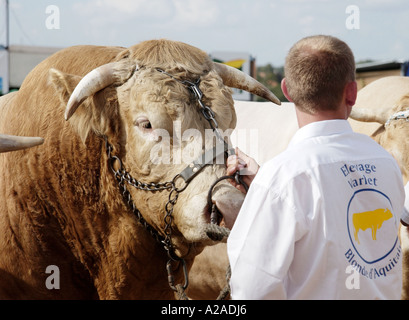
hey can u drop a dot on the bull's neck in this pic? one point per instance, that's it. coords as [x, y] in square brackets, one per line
[135, 261]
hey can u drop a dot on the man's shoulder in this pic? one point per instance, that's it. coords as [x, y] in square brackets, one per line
[365, 143]
[313, 153]
[282, 167]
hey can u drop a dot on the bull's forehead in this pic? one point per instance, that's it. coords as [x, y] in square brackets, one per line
[161, 102]
[167, 54]
[163, 99]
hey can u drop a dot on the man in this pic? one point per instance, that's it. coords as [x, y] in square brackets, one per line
[320, 220]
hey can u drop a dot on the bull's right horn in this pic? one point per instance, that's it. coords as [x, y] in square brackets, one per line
[368, 115]
[235, 78]
[13, 143]
[96, 80]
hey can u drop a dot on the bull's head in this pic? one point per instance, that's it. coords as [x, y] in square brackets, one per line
[385, 104]
[140, 103]
[13, 143]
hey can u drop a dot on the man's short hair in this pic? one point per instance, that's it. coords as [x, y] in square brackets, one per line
[317, 68]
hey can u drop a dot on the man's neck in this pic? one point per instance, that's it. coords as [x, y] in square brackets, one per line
[307, 118]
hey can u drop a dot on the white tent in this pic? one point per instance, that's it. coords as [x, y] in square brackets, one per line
[4, 71]
[4, 43]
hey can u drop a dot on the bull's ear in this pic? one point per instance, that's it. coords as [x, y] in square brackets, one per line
[64, 84]
[83, 120]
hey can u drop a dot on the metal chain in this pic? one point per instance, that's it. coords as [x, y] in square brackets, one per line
[398, 116]
[206, 111]
[122, 176]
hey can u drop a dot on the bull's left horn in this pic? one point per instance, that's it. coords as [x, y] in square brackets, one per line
[235, 78]
[367, 115]
[96, 80]
[13, 143]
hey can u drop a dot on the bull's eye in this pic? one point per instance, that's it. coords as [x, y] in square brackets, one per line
[146, 125]
[143, 124]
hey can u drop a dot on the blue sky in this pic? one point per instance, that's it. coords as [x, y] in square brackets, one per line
[264, 28]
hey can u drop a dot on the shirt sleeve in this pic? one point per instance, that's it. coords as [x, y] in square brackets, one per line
[261, 244]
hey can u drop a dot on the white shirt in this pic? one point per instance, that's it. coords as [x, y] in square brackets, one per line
[331, 200]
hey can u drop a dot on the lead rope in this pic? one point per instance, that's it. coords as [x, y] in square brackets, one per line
[218, 233]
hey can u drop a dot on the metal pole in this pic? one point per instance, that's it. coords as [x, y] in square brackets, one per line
[8, 44]
[7, 25]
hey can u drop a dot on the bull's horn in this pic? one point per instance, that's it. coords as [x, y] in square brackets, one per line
[368, 115]
[13, 143]
[235, 78]
[96, 80]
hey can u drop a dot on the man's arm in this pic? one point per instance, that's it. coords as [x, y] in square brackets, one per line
[261, 245]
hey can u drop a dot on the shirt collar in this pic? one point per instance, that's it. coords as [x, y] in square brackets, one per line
[320, 128]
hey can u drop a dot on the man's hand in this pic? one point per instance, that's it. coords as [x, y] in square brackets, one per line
[246, 165]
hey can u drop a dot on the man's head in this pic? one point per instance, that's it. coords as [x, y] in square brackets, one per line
[317, 71]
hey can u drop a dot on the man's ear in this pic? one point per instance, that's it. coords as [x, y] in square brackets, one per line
[285, 90]
[351, 92]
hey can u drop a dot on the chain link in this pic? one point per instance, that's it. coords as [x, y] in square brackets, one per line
[123, 175]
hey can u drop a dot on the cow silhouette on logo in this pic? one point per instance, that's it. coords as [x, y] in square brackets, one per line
[370, 219]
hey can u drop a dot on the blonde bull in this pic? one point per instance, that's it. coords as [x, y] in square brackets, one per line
[370, 219]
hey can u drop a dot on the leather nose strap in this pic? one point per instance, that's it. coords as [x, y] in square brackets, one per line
[205, 159]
